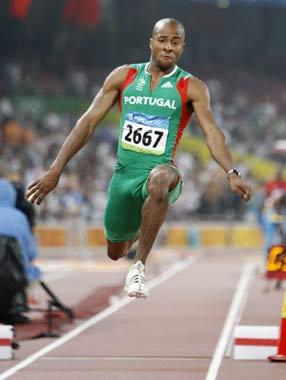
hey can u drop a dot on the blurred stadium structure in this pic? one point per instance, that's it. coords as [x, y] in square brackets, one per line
[56, 53]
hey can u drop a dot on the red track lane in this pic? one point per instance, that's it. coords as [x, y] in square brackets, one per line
[170, 336]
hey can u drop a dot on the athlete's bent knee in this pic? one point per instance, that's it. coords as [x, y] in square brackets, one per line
[113, 255]
[159, 184]
[158, 194]
[115, 250]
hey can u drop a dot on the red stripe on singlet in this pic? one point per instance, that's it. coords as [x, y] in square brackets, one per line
[128, 80]
[182, 87]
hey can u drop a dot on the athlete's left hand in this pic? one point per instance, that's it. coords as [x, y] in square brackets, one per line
[240, 187]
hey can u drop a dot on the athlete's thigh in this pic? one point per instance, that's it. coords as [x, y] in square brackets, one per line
[123, 211]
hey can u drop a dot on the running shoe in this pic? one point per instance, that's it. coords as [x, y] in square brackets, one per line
[135, 284]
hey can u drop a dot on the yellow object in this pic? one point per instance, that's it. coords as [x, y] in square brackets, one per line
[248, 237]
[260, 168]
[177, 236]
[51, 236]
[284, 307]
[95, 236]
[276, 261]
[211, 236]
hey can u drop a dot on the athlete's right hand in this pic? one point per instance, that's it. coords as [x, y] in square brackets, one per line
[38, 189]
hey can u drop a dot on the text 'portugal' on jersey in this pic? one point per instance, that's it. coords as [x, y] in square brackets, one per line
[152, 121]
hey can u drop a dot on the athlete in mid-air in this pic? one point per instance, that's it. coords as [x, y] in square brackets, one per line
[156, 100]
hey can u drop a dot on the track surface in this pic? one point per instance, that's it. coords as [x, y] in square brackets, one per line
[173, 335]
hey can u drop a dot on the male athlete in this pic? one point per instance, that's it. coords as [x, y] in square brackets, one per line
[156, 100]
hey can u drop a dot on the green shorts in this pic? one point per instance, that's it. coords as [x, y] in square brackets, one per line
[126, 195]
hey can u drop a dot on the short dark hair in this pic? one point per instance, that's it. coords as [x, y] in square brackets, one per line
[173, 21]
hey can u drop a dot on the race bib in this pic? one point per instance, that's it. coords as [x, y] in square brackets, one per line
[144, 133]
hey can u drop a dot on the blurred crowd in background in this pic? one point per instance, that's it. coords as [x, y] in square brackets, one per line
[49, 75]
[250, 109]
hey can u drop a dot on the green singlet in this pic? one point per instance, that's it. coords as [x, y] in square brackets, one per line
[151, 125]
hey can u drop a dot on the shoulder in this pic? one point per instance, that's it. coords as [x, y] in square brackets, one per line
[196, 86]
[181, 73]
[118, 75]
[138, 66]
[197, 89]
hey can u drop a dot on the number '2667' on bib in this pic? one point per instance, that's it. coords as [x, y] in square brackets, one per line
[144, 133]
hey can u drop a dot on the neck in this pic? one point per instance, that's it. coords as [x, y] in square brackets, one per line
[157, 71]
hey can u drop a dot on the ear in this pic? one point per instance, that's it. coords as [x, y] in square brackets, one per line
[150, 42]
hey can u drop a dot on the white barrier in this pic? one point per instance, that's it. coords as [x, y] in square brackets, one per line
[255, 342]
[6, 339]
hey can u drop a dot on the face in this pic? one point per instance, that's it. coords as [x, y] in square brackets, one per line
[167, 45]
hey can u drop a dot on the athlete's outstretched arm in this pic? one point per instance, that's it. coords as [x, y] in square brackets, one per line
[198, 94]
[80, 134]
